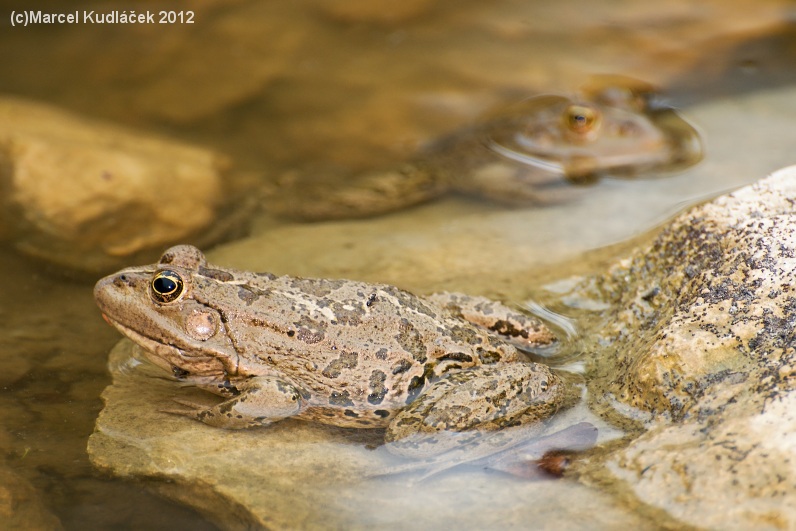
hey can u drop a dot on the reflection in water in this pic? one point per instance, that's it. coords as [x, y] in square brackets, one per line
[519, 451]
[528, 154]
[560, 322]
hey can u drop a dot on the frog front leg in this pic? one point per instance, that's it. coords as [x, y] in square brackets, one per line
[523, 330]
[371, 194]
[517, 184]
[256, 401]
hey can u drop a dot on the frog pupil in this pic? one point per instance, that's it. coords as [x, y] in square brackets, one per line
[164, 285]
[580, 118]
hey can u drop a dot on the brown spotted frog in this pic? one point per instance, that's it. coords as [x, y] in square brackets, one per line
[338, 352]
[528, 153]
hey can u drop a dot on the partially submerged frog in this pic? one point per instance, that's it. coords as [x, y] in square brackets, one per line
[528, 153]
[334, 351]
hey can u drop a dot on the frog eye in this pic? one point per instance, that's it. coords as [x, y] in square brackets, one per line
[581, 119]
[166, 286]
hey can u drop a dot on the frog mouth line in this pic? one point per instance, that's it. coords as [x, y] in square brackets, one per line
[529, 160]
[615, 162]
[162, 354]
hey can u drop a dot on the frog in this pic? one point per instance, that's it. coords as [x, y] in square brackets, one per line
[534, 152]
[338, 352]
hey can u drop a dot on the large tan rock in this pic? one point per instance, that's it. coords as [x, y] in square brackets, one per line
[697, 344]
[90, 195]
[709, 302]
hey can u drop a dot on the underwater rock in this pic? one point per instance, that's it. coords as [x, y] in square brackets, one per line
[89, 195]
[20, 504]
[698, 342]
[732, 470]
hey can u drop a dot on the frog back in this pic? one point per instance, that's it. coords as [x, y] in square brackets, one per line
[358, 352]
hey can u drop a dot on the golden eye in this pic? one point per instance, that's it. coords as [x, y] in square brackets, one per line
[581, 119]
[167, 286]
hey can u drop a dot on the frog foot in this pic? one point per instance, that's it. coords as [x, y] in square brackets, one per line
[223, 415]
[185, 408]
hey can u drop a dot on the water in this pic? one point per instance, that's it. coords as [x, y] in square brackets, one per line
[284, 85]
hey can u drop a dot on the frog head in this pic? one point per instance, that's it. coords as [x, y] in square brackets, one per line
[157, 307]
[599, 133]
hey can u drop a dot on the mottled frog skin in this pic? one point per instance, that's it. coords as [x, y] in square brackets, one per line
[333, 351]
[529, 153]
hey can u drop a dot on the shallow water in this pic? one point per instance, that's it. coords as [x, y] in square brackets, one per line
[278, 85]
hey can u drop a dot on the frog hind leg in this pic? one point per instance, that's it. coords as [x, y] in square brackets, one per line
[257, 401]
[513, 401]
[520, 184]
[371, 194]
[521, 330]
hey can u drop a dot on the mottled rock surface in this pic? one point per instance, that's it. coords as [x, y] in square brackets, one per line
[698, 343]
[92, 196]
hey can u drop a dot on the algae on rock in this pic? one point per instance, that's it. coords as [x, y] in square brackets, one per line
[698, 340]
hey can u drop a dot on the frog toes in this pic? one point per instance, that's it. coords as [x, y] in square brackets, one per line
[185, 408]
[226, 414]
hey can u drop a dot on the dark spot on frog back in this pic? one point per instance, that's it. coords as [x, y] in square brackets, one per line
[215, 274]
[411, 341]
[316, 287]
[377, 388]
[348, 313]
[507, 328]
[407, 300]
[342, 399]
[456, 356]
[249, 294]
[310, 331]
[347, 360]
[462, 334]
[401, 366]
[488, 357]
